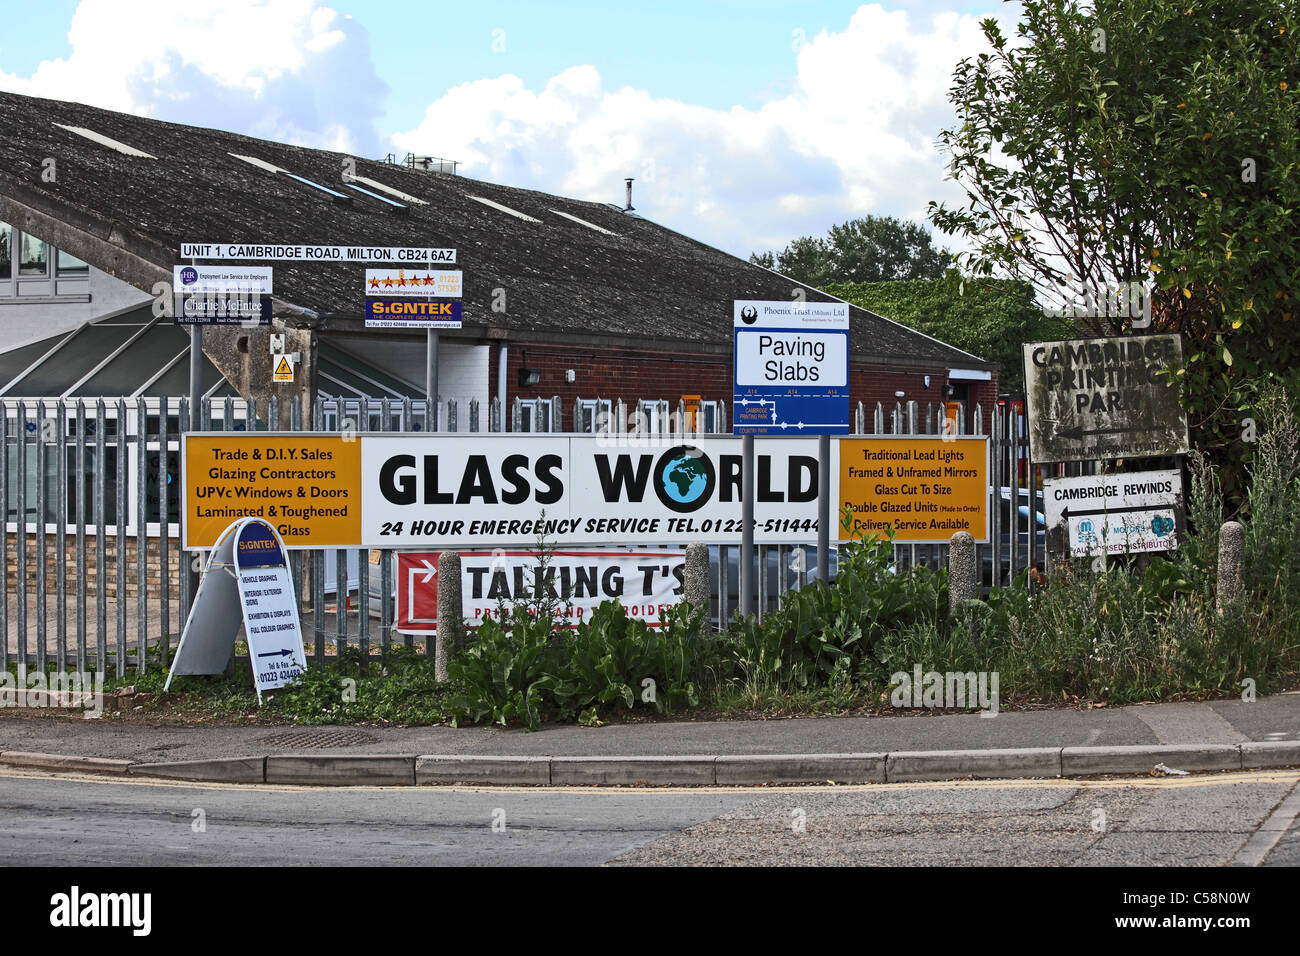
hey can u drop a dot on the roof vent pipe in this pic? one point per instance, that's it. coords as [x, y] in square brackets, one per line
[628, 207]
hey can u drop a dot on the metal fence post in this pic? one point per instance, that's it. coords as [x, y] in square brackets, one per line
[120, 478]
[20, 524]
[141, 538]
[4, 536]
[101, 535]
[164, 533]
[42, 547]
[61, 536]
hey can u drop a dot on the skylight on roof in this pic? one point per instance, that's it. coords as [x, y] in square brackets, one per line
[583, 222]
[395, 193]
[103, 140]
[383, 199]
[506, 209]
[260, 163]
[342, 197]
[281, 171]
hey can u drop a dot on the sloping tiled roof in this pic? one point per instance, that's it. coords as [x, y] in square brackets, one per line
[629, 279]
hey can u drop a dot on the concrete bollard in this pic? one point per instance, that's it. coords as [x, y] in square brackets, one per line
[696, 584]
[451, 613]
[1232, 554]
[963, 571]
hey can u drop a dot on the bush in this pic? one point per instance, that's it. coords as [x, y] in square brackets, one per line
[530, 671]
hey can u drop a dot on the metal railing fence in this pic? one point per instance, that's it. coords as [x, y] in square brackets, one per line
[91, 490]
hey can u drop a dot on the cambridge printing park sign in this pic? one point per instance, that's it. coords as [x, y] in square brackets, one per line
[1105, 398]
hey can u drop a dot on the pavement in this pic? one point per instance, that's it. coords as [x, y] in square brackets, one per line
[910, 746]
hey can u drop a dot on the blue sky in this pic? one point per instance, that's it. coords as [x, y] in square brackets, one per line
[746, 122]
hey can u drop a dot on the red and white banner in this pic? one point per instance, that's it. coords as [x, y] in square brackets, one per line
[646, 582]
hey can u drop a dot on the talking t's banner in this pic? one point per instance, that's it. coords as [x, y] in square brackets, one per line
[645, 583]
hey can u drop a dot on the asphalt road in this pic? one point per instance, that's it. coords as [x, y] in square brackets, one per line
[1181, 821]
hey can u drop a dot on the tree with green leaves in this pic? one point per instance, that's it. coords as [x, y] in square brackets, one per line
[990, 318]
[869, 249]
[1150, 141]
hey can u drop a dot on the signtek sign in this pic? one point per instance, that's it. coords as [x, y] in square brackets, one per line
[792, 367]
[232, 250]
[926, 488]
[259, 593]
[412, 314]
[646, 583]
[1105, 398]
[1114, 514]
[402, 491]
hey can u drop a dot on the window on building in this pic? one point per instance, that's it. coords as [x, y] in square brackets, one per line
[71, 265]
[594, 415]
[31, 268]
[708, 423]
[651, 417]
[33, 259]
[534, 415]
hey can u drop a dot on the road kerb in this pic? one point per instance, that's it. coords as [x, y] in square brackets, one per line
[1143, 758]
[1270, 753]
[342, 770]
[907, 766]
[695, 771]
[219, 770]
[438, 770]
[25, 758]
[787, 769]
[323, 769]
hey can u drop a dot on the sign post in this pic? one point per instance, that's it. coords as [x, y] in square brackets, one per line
[1108, 399]
[791, 368]
[792, 377]
[247, 582]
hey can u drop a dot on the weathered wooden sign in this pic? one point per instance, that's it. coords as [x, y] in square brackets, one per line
[1105, 398]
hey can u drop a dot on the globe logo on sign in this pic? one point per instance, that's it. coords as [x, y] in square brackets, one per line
[684, 478]
[189, 275]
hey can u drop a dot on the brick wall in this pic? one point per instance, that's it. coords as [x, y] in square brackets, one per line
[152, 566]
[630, 375]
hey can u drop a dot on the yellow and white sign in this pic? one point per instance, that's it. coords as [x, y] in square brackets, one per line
[926, 488]
[307, 486]
[283, 371]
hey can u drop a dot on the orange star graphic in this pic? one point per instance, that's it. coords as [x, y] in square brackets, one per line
[374, 283]
[387, 282]
[428, 280]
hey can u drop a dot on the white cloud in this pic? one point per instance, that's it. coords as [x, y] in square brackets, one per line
[290, 70]
[857, 135]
